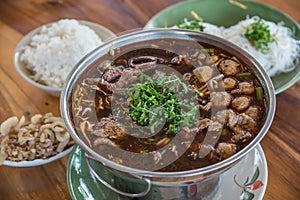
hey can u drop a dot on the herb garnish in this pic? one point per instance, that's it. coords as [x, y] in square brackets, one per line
[258, 34]
[192, 25]
[146, 96]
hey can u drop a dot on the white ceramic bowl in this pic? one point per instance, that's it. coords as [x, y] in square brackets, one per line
[101, 31]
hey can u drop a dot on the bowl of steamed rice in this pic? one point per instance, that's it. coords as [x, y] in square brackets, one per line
[46, 55]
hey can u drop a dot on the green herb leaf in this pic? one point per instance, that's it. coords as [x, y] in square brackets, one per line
[152, 99]
[191, 25]
[258, 34]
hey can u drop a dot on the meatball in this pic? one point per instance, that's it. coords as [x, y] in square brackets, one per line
[203, 73]
[229, 83]
[220, 99]
[254, 112]
[229, 67]
[241, 103]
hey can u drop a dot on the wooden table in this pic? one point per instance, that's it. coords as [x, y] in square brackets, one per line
[17, 97]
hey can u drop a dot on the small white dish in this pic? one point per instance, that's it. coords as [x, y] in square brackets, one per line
[100, 30]
[37, 162]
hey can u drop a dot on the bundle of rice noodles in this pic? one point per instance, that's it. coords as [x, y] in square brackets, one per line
[283, 53]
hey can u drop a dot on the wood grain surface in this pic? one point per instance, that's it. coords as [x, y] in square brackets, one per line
[17, 97]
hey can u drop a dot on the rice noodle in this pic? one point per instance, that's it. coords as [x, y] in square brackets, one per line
[209, 28]
[213, 29]
[283, 55]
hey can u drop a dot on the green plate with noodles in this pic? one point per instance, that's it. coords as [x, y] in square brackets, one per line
[227, 13]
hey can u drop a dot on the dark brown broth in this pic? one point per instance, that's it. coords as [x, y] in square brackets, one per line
[141, 145]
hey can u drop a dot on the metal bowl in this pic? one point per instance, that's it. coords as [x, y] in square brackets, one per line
[173, 183]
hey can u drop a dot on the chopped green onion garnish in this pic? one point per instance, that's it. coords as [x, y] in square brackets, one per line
[146, 96]
[208, 50]
[259, 93]
[243, 74]
[258, 34]
[191, 24]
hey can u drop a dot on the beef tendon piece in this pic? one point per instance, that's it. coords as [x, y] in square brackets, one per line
[203, 123]
[227, 149]
[112, 74]
[244, 88]
[203, 73]
[142, 61]
[211, 59]
[109, 128]
[244, 128]
[206, 107]
[223, 116]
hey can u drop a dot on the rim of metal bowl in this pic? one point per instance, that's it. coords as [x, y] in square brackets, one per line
[160, 33]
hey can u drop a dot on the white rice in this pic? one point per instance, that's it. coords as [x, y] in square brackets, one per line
[53, 52]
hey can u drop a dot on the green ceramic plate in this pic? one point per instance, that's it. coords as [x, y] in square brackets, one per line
[223, 13]
[84, 186]
[81, 183]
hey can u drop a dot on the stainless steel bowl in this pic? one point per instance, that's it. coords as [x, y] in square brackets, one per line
[174, 185]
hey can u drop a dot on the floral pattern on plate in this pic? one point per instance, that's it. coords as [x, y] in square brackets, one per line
[249, 185]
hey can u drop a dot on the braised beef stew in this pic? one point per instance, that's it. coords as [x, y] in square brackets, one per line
[215, 77]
